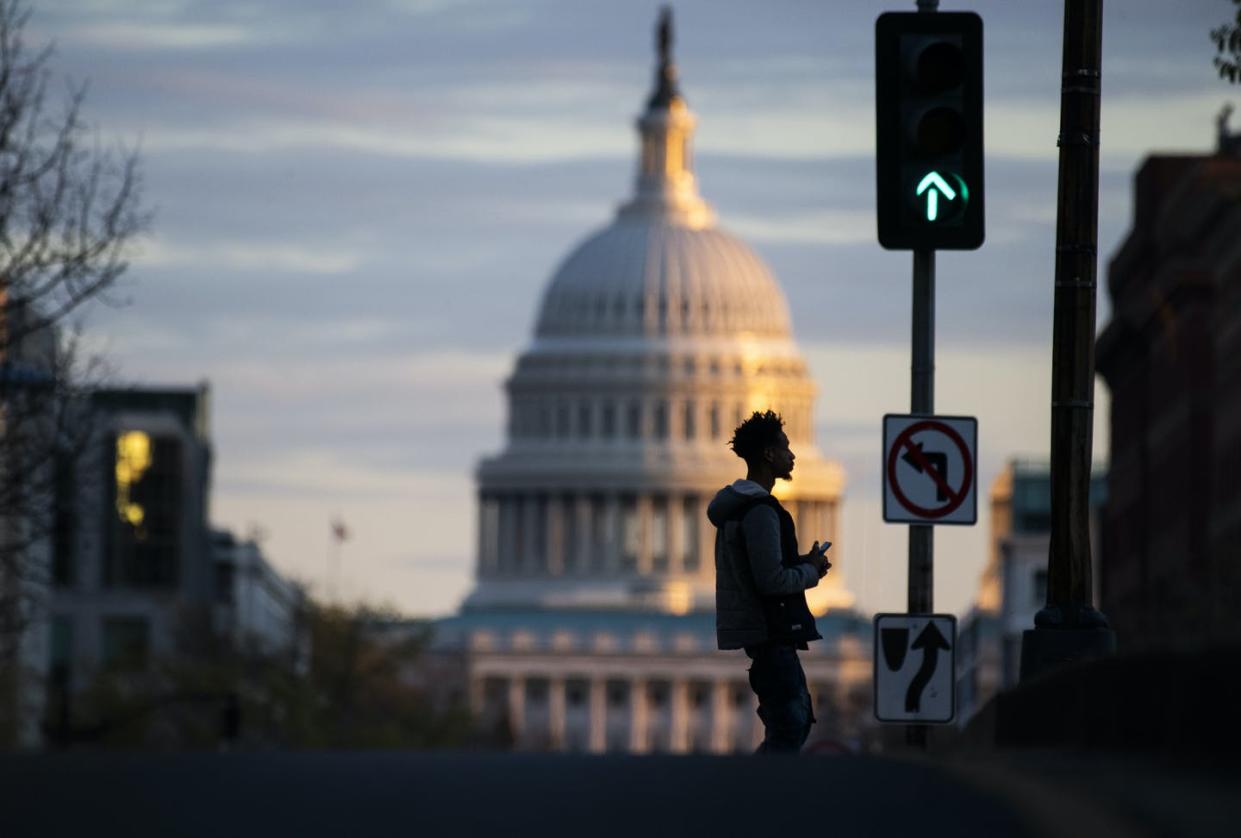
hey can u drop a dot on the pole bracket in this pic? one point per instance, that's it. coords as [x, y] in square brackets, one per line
[1076, 283]
[1082, 139]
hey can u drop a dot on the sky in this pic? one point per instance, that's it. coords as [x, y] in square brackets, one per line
[356, 207]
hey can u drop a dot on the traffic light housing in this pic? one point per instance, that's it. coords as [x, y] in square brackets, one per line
[928, 130]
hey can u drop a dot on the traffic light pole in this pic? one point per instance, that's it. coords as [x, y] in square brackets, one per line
[1068, 628]
[921, 598]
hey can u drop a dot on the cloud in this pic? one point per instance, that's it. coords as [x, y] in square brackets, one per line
[226, 255]
[824, 227]
[163, 36]
[352, 250]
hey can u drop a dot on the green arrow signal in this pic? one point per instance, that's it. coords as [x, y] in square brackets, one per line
[933, 184]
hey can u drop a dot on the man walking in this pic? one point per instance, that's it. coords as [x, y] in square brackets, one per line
[760, 580]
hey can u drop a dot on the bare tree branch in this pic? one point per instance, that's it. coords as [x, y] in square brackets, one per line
[69, 212]
[1227, 39]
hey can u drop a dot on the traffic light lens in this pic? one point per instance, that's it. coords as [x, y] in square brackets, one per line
[940, 67]
[940, 131]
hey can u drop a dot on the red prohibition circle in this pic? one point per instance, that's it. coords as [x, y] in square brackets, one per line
[906, 436]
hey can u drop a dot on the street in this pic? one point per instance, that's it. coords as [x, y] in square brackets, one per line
[358, 794]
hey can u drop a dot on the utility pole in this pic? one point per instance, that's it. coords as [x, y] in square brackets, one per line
[1069, 628]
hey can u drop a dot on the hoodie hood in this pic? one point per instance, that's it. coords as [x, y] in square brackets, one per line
[729, 499]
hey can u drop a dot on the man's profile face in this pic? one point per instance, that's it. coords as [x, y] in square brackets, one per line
[780, 457]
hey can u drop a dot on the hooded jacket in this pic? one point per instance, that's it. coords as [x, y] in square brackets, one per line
[759, 577]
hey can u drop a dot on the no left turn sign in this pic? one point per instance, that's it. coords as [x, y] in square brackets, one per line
[930, 466]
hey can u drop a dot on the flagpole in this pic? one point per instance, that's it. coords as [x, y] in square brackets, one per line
[337, 534]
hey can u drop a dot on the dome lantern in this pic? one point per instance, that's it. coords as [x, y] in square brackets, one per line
[665, 186]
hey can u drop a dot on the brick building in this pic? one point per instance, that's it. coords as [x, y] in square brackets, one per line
[1172, 358]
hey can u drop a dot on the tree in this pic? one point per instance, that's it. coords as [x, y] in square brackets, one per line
[363, 687]
[1227, 40]
[69, 211]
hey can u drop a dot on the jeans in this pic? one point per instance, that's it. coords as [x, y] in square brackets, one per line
[777, 679]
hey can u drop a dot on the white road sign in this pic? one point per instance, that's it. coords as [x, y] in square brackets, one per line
[929, 469]
[914, 668]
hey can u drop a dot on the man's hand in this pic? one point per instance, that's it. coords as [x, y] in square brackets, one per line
[818, 557]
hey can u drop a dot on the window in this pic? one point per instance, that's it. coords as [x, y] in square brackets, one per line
[126, 642]
[539, 559]
[633, 422]
[145, 478]
[568, 506]
[562, 421]
[583, 420]
[715, 420]
[688, 425]
[517, 509]
[62, 645]
[661, 420]
[657, 693]
[489, 531]
[618, 693]
[63, 529]
[608, 429]
[60, 672]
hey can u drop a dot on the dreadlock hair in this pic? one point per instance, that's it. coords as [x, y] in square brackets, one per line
[756, 434]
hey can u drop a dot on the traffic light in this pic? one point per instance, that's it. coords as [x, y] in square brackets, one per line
[928, 130]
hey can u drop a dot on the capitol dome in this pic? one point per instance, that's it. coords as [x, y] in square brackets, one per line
[655, 337]
[652, 277]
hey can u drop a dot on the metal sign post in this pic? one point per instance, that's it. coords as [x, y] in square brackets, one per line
[929, 179]
[922, 401]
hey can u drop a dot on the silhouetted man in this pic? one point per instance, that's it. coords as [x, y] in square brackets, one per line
[760, 580]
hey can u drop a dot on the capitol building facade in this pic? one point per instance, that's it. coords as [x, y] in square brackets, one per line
[590, 626]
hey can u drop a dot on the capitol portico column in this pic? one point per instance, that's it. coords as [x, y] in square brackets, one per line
[612, 529]
[555, 546]
[584, 561]
[504, 539]
[485, 560]
[638, 713]
[530, 558]
[476, 695]
[517, 708]
[556, 711]
[706, 540]
[598, 715]
[676, 532]
[644, 534]
[721, 717]
[680, 712]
